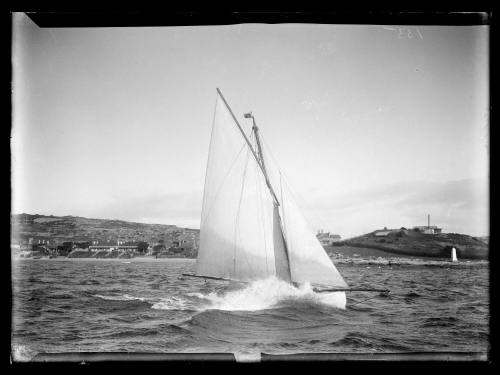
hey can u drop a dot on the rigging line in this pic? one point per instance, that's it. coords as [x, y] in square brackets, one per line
[223, 181]
[260, 205]
[295, 195]
[237, 221]
[269, 151]
[283, 209]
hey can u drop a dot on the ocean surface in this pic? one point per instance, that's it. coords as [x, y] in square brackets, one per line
[145, 305]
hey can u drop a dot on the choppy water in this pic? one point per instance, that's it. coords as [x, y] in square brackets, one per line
[145, 306]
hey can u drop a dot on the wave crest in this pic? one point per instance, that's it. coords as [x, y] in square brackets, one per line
[123, 297]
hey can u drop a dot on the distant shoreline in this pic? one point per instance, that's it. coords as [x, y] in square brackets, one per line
[355, 261]
[123, 260]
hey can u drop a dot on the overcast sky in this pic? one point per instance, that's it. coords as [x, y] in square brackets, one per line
[372, 126]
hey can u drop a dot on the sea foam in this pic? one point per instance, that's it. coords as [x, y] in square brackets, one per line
[172, 303]
[124, 297]
[268, 293]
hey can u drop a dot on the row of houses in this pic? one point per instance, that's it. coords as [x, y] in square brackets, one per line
[425, 229]
[172, 242]
[185, 239]
[422, 229]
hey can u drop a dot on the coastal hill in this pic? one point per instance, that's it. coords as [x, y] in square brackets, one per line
[413, 243]
[59, 229]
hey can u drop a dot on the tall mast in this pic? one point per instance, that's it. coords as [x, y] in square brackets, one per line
[261, 164]
[255, 129]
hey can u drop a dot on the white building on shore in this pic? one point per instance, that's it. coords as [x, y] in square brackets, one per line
[327, 238]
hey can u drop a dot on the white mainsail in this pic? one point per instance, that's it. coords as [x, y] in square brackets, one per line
[245, 233]
[236, 231]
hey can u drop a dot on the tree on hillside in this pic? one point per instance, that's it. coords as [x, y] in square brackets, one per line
[83, 245]
[142, 247]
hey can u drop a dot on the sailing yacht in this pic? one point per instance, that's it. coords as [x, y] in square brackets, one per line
[251, 228]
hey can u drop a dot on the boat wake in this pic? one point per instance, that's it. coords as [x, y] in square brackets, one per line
[266, 294]
[258, 295]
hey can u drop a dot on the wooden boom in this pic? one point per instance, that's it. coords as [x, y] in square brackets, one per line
[214, 278]
[317, 290]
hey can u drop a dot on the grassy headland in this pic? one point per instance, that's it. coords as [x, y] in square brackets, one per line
[410, 243]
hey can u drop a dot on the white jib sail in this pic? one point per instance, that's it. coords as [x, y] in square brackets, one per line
[308, 260]
[236, 231]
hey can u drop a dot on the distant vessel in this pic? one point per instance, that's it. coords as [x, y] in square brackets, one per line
[247, 231]
[454, 255]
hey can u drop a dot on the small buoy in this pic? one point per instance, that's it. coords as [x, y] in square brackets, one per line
[454, 255]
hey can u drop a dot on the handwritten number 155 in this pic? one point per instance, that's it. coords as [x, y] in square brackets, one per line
[402, 32]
